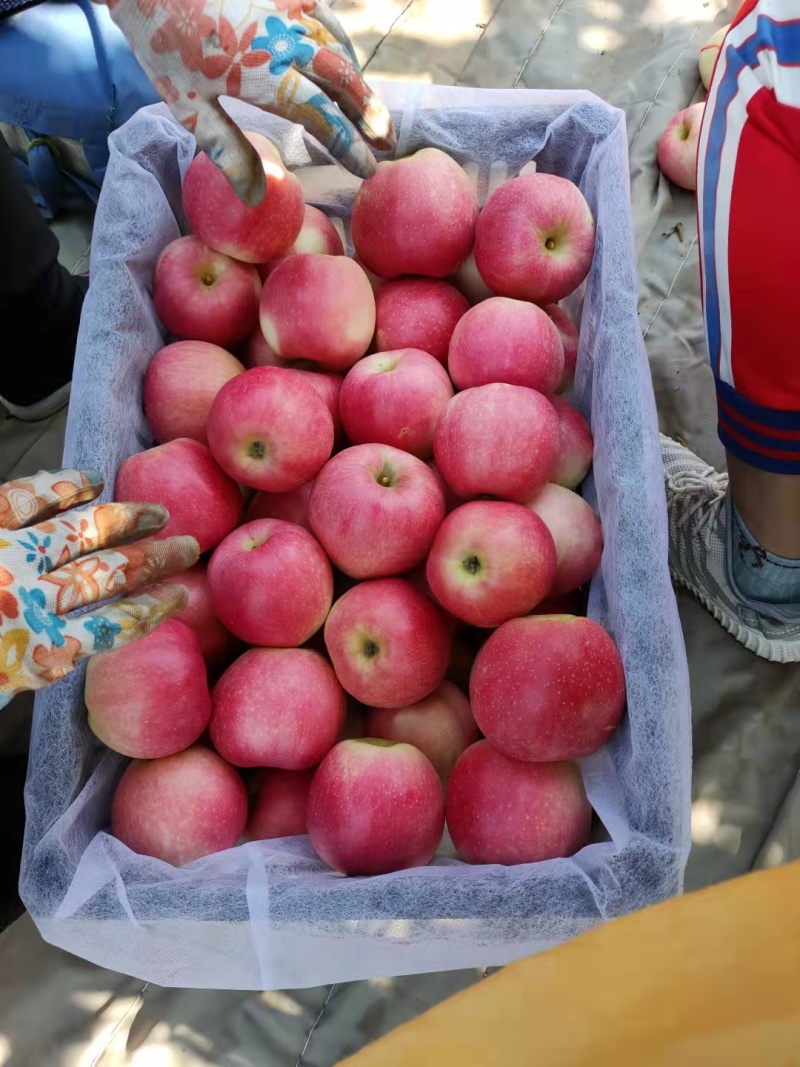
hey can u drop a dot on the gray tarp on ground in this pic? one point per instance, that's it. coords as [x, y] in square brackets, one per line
[640, 55]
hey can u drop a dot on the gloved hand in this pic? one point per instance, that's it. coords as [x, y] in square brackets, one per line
[289, 57]
[54, 560]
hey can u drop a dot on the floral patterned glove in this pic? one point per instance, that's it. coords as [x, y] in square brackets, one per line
[290, 57]
[53, 560]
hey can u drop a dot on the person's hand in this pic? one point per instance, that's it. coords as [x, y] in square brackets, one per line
[54, 560]
[289, 57]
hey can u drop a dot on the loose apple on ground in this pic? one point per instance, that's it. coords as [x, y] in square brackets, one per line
[677, 149]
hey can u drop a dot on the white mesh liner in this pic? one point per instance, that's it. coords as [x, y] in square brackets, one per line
[269, 914]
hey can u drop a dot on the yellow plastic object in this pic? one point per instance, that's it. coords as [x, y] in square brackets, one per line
[707, 980]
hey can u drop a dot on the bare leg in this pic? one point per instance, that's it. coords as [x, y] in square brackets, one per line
[769, 504]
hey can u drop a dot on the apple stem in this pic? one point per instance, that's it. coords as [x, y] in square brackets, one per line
[385, 477]
[550, 244]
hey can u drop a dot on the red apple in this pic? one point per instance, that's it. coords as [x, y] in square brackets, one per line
[271, 583]
[467, 279]
[388, 643]
[320, 308]
[180, 385]
[502, 340]
[498, 439]
[568, 332]
[180, 808]
[257, 353]
[182, 476]
[329, 387]
[222, 221]
[395, 398]
[577, 446]
[417, 313]
[318, 234]
[217, 644]
[291, 506]
[451, 501]
[415, 216]
[375, 807]
[203, 295]
[269, 429]
[577, 534]
[416, 577]
[281, 807]
[489, 562]
[441, 726]
[150, 698]
[502, 810]
[677, 148]
[375, 282]
[535, 238]
[277, 707]
[375, 510]
[548, 687]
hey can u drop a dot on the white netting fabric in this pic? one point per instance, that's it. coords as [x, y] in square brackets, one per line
[268, 914]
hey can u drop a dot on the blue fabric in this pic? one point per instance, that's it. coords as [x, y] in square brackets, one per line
[67, 71]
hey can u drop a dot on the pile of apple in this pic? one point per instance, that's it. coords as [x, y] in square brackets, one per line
[414, 531]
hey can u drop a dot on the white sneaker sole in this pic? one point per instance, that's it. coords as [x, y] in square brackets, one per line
[774, 651]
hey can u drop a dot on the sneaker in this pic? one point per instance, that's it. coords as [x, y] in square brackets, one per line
[700, 551]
